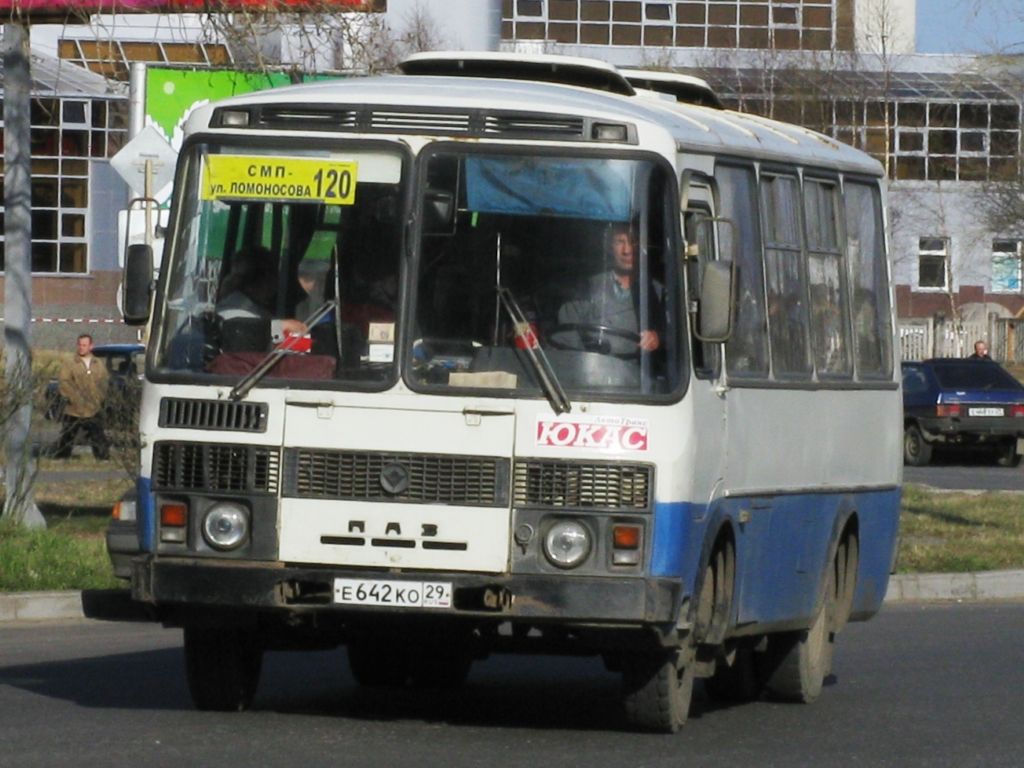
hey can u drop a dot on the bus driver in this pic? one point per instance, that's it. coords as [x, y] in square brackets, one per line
[612, 301]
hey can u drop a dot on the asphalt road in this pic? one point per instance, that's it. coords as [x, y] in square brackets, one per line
[966, 472]
[923, 685]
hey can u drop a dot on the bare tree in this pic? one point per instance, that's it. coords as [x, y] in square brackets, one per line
[324, 39]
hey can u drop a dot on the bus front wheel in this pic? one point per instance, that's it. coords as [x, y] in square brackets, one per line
[657, 689]
[223, 668]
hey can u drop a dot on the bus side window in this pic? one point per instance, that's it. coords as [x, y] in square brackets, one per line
[826, 276]
[746, 352]
[785, 277]
[865, 248]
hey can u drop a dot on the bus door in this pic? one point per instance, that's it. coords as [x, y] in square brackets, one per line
[397, 487]
[709, 412]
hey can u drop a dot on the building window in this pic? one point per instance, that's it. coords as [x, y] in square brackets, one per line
[932, 258]
[780, 24]
[1006, 265]
[65, 136]
[113, 58]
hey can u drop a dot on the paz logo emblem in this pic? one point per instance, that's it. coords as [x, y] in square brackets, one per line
[394, 479]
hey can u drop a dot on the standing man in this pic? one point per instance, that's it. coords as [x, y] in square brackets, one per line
[980, 351]
[83, 383]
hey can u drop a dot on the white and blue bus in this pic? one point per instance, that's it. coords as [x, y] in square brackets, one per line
[464, 361]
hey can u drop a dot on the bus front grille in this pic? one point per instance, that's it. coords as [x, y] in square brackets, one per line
[579, 485]
[187, 413]
[209, 467]
[398, 477]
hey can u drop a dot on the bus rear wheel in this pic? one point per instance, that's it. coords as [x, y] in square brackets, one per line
[657, 690]
[796, 663]
[222, 667]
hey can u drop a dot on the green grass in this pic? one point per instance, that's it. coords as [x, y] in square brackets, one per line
[957, 532]
[71, 552]
[53, 559]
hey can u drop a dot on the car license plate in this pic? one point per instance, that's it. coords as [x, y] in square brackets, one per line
[984, 411]
[397, 594]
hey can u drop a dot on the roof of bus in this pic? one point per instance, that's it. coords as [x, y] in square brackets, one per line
[693, 128]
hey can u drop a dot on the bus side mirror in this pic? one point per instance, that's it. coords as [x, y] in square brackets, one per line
[137, 286]
[718, 284]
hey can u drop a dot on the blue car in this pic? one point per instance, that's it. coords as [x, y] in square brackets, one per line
[961, 403]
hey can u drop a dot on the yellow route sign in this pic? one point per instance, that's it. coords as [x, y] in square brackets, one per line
[263, 177]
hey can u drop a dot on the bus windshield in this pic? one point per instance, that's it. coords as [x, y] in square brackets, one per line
[565, 257]
[287, 250]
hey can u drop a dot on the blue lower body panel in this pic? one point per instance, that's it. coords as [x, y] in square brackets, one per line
[784, 543]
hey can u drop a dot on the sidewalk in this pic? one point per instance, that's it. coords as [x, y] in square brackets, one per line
[903, 588]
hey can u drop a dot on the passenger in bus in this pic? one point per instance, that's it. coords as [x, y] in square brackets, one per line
[312, 279]
[613, 301]
[246, 304]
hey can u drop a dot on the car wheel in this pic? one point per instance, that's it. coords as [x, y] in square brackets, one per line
[1008, 456]
[917, 451]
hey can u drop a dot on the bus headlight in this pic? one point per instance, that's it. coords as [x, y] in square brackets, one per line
[226, 525]
[567, 543]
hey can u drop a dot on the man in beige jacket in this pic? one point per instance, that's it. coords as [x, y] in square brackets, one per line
[83, 383]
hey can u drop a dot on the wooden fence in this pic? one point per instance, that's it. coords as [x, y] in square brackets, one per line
[921, 338]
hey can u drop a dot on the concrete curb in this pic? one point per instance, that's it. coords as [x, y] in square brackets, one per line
[903, 588]
[40, 606]
[984, 585]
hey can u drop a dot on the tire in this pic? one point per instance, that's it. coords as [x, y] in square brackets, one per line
[797, 662]
[377, 663]
[1008, 456]
[222, 667]
[845, 575]
[917, 452]
[657, 690]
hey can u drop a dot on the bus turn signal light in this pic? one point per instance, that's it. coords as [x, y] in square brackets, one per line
[626, 541]
[173, 518]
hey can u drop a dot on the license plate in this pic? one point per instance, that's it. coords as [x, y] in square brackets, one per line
[397, 594]
[984, 411]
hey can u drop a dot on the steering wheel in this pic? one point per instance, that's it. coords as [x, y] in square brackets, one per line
[592, 336]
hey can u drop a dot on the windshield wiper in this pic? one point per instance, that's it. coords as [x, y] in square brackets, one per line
[534, 352]
[251, 379]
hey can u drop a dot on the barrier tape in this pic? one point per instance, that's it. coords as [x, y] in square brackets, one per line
[85, 320]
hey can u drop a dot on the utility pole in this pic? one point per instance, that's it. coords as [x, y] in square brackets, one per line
[19, 504]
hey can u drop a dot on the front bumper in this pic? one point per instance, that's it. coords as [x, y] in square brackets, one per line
[122, 546]
[182, 583]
